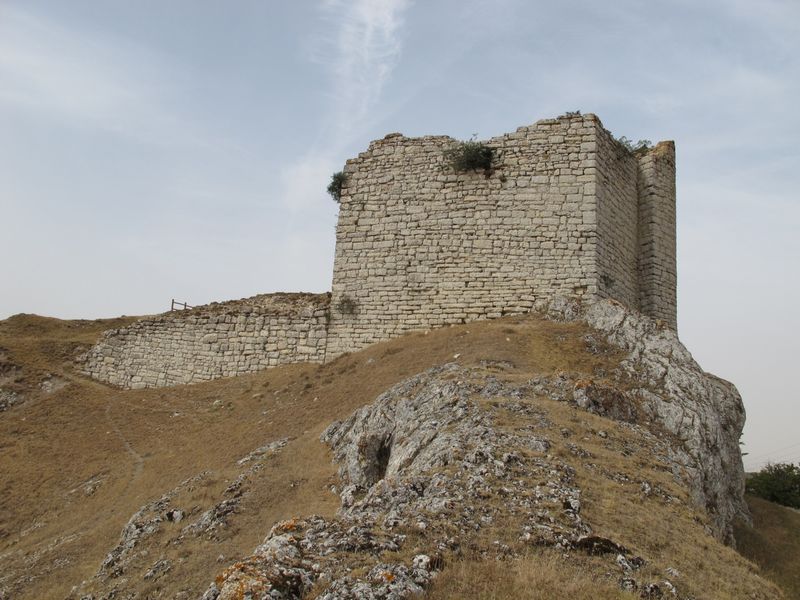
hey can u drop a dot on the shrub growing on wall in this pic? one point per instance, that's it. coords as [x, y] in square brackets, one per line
[346, 305]
[469, 156]
[336, 185]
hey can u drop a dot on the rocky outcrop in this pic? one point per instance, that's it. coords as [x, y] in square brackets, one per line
[433, 462]
[703, 412]
[428, 464]
[10, 374]
[169, 521]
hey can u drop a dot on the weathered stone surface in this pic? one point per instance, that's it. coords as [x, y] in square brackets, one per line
[566, 211]
[429, 455]
[10, 374]
[208, 342]
[140, 535]
[391, 454]
[704, 412]
[8, 399]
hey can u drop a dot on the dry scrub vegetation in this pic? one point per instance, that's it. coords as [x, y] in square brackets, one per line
[543, 575]
[630, 497]
[773, 543]
[79, 460]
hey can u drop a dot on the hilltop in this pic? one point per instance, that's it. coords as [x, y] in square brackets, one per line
[478, 460]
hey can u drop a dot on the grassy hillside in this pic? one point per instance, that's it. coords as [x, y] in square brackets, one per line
[773, 543]
[79, 459]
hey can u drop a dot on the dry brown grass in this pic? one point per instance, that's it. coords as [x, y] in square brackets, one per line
[140, 444]
[660, 526]
[41, 346]
[669, 533]
[773, 543]
[542, 575]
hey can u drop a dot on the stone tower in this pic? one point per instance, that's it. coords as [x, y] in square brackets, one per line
[566, 211]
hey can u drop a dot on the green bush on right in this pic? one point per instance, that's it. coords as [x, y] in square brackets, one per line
[779, 483]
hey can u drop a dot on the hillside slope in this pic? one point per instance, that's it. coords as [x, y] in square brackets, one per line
[773, 543]
[165, 493]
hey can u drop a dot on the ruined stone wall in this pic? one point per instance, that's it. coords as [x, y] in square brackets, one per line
[617, 221]
[566, 211]
[420, 246]
[636, 227]
[657, 252]
[218, 340]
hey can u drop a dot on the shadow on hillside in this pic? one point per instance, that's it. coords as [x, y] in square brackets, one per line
[773, 543]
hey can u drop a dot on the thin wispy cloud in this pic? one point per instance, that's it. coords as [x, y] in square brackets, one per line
[304, 181]
[192, 143]
[366, 48]
[362, 52]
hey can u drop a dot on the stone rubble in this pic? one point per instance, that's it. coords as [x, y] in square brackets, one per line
[9, 399]
[144, 523]
[10, 374]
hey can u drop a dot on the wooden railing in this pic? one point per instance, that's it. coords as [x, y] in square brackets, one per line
[179, 305]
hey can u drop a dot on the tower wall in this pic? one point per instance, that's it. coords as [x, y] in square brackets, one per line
[566, 211]
[617, 221]
[420, 246]
[657, 252]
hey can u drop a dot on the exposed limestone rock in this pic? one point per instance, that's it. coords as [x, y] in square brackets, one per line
[8, 399]
[704, 412]
[144, 523]
[124, 561]
[428, 461]
[9, 375]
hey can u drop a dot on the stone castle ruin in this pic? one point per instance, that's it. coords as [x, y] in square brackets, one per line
[565, 211]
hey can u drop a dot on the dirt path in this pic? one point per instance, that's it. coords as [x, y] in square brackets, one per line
[138, 460]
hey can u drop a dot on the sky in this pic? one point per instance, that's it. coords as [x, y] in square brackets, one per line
[154, 150]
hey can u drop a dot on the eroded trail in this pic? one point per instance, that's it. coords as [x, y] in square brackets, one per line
[138, 460]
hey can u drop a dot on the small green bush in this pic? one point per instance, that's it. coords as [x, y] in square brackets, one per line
[778, 483]
[469, 156]
[337, 183]
[632, 146]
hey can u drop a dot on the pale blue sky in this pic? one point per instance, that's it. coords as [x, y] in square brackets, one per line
[152, 149]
